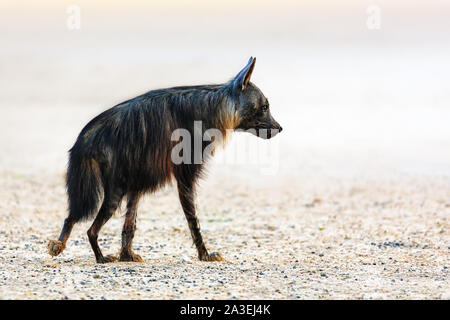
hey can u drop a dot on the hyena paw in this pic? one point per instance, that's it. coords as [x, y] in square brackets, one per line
[107, 259]
[213, 256]
[130, 257]
[55, 247]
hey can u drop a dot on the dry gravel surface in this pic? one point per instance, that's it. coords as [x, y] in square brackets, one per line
[347, 238]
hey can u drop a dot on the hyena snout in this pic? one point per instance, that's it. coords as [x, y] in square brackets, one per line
[271, 131]
[278, 127]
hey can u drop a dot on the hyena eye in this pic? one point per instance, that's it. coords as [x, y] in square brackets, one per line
[264, 108]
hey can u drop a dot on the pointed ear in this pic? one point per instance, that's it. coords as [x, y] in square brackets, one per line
[243, 77]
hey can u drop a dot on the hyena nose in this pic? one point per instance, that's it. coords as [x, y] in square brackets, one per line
[280, 128]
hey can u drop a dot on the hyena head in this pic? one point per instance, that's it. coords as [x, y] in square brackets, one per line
[252, 107]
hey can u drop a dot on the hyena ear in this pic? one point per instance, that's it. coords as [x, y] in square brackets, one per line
[243, 77]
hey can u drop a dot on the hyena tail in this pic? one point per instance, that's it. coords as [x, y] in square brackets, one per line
[84, 189]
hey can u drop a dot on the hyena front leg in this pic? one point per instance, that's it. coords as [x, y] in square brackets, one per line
[129, 227]
[186, 194]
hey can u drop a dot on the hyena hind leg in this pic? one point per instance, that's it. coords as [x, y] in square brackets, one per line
[109, 206]
[129, 228]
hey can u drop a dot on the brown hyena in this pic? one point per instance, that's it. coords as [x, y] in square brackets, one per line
[126, 152]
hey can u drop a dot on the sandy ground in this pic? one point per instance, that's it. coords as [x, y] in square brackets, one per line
[323, 238]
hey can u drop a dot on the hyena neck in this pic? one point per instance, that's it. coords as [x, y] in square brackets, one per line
[221, 112]
[227, 116]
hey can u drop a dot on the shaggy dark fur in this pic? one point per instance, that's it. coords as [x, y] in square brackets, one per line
[126, 152]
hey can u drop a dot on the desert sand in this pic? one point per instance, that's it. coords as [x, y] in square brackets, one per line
[331, 239]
